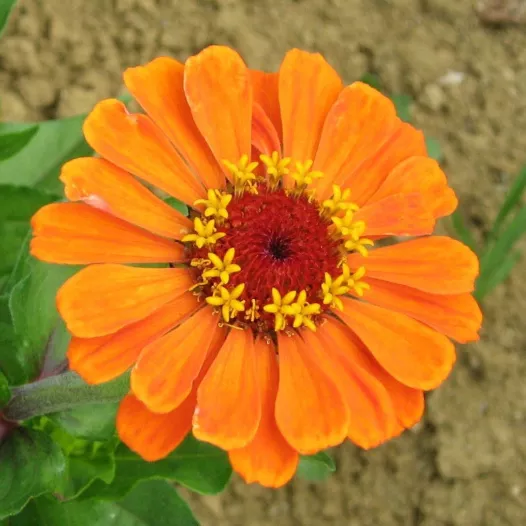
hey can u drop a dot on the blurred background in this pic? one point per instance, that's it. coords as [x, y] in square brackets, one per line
[464, 67]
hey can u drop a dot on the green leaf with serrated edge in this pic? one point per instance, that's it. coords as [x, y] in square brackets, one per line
[488, 281]
[5, 10]
[151, 503]
[5, 392]
[17, 205]
[178, 205]
[12, 143]
[91, 422]
[462, 231]
[403, 106]
[41, 342]
[316, 467]
[433, 149]
[31, 464]
[199, 466]
[500, 249]
[38, 164]
[512, 200]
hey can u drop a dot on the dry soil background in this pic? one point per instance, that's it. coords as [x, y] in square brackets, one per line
[465, 465]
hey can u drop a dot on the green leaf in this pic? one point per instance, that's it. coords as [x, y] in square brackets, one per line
[199, 466]
[513, 199]
[17, 205]
[40, 335]
[5, 392]
[433, 149]
[151, 503]
[462, 231]
[38, 164]
[83, 470]
[488, 281]
[5, 9]
[316, 467]
[178, 205]
[499, 251]
[402, 104]
[12, 143]
[91, 422]
[8, 358]
[32, 464]
[372, 80]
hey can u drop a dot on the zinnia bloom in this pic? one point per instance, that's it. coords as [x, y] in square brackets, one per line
[277, 320]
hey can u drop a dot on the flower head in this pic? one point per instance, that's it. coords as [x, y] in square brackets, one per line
[279, 325]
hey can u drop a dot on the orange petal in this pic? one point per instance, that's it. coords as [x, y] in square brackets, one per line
[102, 184]
[358, 124]
[436, 264]
[268, 459]
[411, 352]
[311, 412]
[264, 136]
[420, 175]
[153, 436]
[135, 144]
[219, 93]
[265, 88]
[308, 87]
[398, 215]
[76, 233]
[372, 419]
[101, 299]
[455, 315]
[103, 358]
[408, 403]
[228, 400]
[366, 178]
[166, 370]
[158, 88]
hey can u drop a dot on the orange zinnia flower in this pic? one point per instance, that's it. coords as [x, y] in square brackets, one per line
[274, 327]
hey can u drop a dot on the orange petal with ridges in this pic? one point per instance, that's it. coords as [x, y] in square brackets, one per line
[158, 88]
[408, 403]
[372, 419]
[134, 143]
[364, 181]
[436, 264]
[411, 352]
[103, 358]
[165, 372]
[228, 400]
[308, 87]
[398, 215]
[265, 93]
[153, 436]
[268, 459]
[420, 175]
[311, 412]
[97, 181]
[264, 136]
[76, 233]
[455, 315]
[101, 299]
[219, 92]
[360, 121]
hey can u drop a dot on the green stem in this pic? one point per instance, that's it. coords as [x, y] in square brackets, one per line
[57, 393]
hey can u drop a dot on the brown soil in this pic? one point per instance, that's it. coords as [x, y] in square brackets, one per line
[465, 465]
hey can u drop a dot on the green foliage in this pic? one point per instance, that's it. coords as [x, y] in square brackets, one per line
[497, 252]
[12, 143]
[151, 503]
[5, 10]
[199, 466]
[316, 467]
[5, 392]
[32, 464]
[38, 164]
